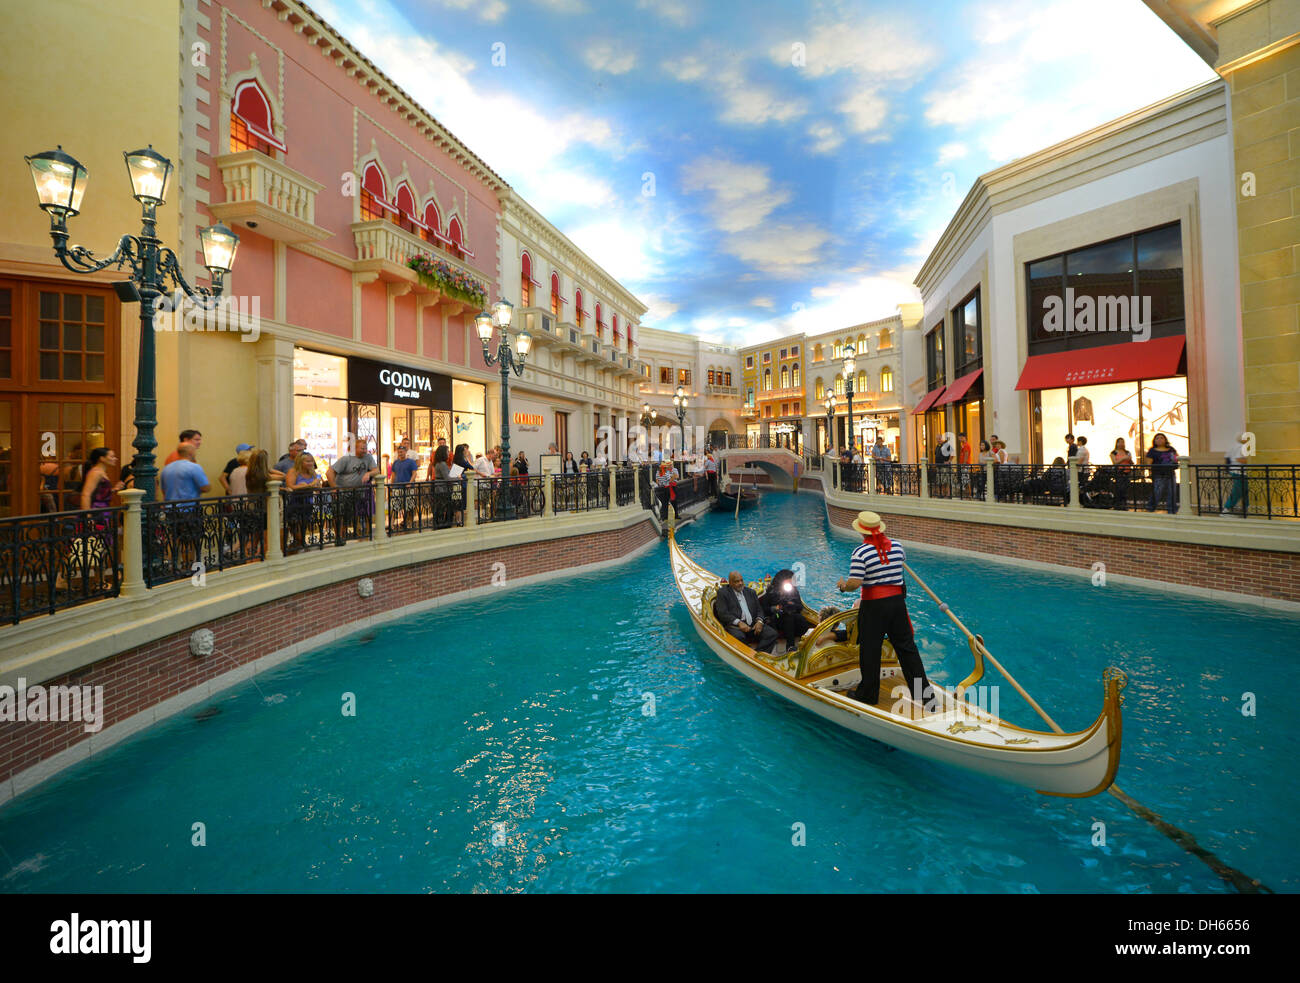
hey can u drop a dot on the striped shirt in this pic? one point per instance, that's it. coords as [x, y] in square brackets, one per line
[865, 565]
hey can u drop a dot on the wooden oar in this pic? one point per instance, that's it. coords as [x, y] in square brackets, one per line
[1232, 876]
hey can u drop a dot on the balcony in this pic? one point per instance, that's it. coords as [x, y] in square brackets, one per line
[540, 323]
[790, 392]
[383, 248]
[713, 390]
[265, 195]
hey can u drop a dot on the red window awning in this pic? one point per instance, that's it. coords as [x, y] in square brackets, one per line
[1157, 358]
[959, 388]
[927, 401]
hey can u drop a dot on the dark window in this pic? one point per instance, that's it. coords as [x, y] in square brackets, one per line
[934, 368]
[1130, 272]
[967, 347]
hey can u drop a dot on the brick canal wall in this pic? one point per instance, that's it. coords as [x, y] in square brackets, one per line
[139, 680]
[1256, 573]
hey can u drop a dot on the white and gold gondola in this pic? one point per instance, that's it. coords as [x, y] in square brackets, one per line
[821, 671]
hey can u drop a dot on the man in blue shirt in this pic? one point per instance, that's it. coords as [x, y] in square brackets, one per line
[183, 479]
[404, 467]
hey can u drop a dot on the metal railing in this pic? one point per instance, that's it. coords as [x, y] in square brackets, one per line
[624, 485]
[187, 539]
[898, 479]
[1029, 484]
[58, 560]
[1268, 491]
[318, 517]
[961, 481]
[418, 506]
[527, 496]
[581, 492]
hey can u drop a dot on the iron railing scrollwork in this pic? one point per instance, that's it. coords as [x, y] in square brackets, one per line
[582, 492]
[624, 485]
[58, 560]
[527, 496]
[1268, 491]
[318, 517]
[190, 538]
[418, 506]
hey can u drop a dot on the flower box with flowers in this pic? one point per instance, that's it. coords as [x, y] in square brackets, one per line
[445, 278]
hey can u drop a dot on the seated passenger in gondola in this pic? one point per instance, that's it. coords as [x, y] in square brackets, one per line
[784, 608]
[740, 612]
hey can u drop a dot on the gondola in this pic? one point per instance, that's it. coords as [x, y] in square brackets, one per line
[727, 499]
[823, 670]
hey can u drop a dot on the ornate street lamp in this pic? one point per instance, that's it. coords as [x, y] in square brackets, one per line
[60, 185]
[508, 359]
[679, 401]
[830, 422]
[850, 363]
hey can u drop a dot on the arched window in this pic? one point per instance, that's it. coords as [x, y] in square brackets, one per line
[821, 388]
[406, 209]
[785, 377]
[817, 353]
[456, 246]
[839, 385]
[374, 194]
[862, 344]
[710, 377]
[726, 378]
[525, 281]
[251, 125]
[600, 324]
[835, 351]
[432, 230]
[862, 380]
[555, 294]
[767, 380]
[886, 380]
[886, 340]
[794, 375]
[577, 307]
[613, 320]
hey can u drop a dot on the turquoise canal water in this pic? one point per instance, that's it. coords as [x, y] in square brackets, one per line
[504, 746]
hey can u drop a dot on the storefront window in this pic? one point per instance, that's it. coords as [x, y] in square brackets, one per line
[967, 350]
[934, 366]
[1130, 411]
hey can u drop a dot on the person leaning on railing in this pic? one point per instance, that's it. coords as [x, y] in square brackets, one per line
[300, 481]
[1164, 463]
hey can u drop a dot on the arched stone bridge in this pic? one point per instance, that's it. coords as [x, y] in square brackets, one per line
[780, 465]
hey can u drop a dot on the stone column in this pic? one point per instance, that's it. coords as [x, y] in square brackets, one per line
[380, 531]
[1073, 466]
[132, 544]
[871, 476]
[274, 521]
[613, 487]
[471, 500]
[925, 479]
[636, 486]
[548, 483]
[1185, 486]
[988, 482]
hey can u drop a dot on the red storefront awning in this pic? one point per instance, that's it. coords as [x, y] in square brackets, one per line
[927, 401]
[959, 388]
[1158, 358]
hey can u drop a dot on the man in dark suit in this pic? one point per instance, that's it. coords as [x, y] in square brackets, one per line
[738, 610]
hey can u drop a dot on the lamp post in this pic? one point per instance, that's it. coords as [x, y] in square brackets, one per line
[60, 185]
[648, 417]
[850, 363]
[830, 422]
[679, 401]
[508, 359]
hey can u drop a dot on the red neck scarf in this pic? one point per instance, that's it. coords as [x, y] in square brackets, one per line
[881, 542]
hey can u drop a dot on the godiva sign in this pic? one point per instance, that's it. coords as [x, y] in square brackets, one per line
[381, 382]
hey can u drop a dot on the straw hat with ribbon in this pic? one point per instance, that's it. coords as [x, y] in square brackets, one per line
[872, 528]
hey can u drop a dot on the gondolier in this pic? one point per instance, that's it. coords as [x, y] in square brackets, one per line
[877, 568]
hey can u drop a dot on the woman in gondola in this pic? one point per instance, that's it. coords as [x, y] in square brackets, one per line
[783, 608]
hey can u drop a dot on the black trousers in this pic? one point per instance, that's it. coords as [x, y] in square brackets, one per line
[791, 627]
[662, 495]
[886, 617]
[763, 642]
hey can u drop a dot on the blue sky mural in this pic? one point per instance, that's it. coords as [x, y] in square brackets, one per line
[752, 169]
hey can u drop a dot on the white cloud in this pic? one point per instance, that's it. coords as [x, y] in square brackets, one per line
[742, 195]
[783, 250]
[563, 6]
[825, 138]
[766, 302]
[607, 56]
[950, 152]
[658, 309]
[865, 109]
[486, 10]
[673, 11]
[870, 49]
[571, 190]
[744, 101]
